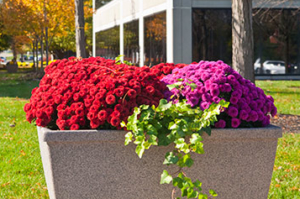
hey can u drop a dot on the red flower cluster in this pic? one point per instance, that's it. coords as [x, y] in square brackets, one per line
[164, 69]
[91, 93]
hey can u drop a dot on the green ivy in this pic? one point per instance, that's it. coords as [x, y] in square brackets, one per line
[174, 123]
[118, 61]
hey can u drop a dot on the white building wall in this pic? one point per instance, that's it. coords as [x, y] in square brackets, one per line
[107, 16]
[179, 20]
[152, 3]
[131, 9]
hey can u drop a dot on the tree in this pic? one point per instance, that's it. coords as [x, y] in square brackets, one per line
[4, 38]
[79, 29]
[242, 38]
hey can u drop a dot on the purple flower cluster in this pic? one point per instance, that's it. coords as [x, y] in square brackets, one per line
[249, 106]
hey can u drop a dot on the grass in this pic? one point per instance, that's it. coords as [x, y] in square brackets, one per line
[12, 85]
[286, 174]
[21, 167]
[22, 173]
[285, 93]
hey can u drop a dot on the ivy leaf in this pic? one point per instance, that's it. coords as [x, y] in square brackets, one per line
[202, 196]
[207, 130]
[163, 140]
[152, 140]
[185, 161]
[170, 158]
[123, 124]
[164, 105]
[175, 85]
[165, 178]
[139, 150]
[213, 193]
[195, 138]
[198, 148]
[128, 138]
[151, 130]
[198, 185]
[224, 104]
[192, 85]
[177, 182]
[191, 193]
[181, 145]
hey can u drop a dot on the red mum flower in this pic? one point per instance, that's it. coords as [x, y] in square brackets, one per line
[131, 93]
[115, 114]
[27, 107]
[119, 92]
[110, 99]
[102, 115]
[74, 127]
[118, 107]
[115, 121]
[150, 90]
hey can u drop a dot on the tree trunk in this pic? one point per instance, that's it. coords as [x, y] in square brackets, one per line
[37, 54]
[33, 55]
[47, 46]
[42, 54]
[79, 28]
[14, 49]
[242, 38]
[46, 33]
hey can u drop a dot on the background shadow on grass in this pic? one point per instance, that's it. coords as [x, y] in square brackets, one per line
[15, 88]
[282, 92]
[16, 85]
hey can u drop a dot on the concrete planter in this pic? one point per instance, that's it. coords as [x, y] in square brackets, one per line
[12, 68]
[237, 163]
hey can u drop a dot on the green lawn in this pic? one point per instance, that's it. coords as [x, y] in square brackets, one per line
[285, 93]
[22, 175]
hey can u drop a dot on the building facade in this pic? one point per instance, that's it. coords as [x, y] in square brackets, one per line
[182, 31]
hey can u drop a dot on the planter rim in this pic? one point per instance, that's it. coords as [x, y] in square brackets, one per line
[269, 132]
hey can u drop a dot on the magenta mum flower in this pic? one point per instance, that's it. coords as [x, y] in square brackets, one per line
[235, 122]
[249, 106]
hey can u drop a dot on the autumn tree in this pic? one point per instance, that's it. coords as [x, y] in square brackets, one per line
[4, 38]
[49, 24]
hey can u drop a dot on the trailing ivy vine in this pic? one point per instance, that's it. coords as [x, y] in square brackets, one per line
[176, 123]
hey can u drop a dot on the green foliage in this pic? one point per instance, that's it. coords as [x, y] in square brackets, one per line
[173, 123]
[119, 61]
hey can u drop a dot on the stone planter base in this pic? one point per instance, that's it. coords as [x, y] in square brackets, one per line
[237, 163]
[12, 68]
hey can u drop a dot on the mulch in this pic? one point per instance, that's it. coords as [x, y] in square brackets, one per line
[289, 123]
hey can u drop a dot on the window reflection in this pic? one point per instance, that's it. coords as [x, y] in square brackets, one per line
[131, 42]
[155, 38]
[108, 43]
[211, 34]
[277, 41]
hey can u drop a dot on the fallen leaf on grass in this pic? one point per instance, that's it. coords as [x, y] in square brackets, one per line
[22, 153]
[5, 184]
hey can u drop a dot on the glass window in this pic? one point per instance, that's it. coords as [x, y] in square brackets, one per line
[108, 43]
[100, 3]
[131, 42]
[155, 37]
[212, 39]
[277, 40]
